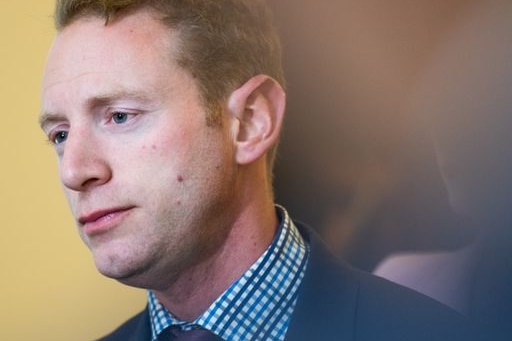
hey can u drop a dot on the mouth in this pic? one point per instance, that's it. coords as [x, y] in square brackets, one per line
[101, 221]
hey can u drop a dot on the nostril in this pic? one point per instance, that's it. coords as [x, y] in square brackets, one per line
[80, 170]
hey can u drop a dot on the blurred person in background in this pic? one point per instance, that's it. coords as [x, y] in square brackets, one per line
[465, 95]
[353, 164]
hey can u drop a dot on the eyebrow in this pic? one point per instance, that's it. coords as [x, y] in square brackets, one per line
[95, 102]
[112, 97]
[47, 118]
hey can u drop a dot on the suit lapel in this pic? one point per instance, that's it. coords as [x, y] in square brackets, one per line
[142, 330]
[326, 306]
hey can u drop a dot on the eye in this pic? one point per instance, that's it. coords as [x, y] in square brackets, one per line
[119, 117]
[59, 137]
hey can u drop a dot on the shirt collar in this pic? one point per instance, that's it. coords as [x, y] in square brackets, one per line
[259, 305]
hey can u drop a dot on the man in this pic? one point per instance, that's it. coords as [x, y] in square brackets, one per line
[165, 116]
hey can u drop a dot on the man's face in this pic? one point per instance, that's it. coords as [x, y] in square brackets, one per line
[144, 175]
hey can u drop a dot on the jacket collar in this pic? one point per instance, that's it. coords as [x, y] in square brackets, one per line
[327, 298]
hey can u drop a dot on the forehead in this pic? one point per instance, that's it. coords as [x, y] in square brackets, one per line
[137, 41]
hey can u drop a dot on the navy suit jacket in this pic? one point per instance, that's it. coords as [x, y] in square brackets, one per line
[337, 302]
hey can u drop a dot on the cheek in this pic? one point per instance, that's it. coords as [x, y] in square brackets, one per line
[167, 144]
[152, 153]
[72, 199]
[167, 162]
[149, 148]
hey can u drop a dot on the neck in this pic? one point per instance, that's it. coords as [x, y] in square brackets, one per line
[198, 287]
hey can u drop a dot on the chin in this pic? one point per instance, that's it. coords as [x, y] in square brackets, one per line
[127, 271]
[131, 277]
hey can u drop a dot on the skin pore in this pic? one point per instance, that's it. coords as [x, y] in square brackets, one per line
[162, 200]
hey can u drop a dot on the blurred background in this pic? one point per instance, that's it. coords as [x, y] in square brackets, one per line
[395, 148]
[397, 145]
[354, 162]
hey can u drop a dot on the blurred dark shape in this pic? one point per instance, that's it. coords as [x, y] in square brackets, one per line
[465, 94]
[352, 164]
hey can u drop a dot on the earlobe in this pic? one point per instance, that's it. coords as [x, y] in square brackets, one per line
[257, 108]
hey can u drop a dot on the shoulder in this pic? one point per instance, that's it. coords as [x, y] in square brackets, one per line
[384, 308]
[445, 276]
[348, 304]
[136, 328]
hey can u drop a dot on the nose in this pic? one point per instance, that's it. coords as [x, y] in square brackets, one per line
[82, 164]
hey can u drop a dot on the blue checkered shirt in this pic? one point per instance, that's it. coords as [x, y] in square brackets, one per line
[259, 305]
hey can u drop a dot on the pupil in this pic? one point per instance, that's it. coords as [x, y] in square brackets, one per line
[61, 137]
[120, 117]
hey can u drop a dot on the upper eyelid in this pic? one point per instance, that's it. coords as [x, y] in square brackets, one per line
[123, 101]
[52, 129]
[129, 113]
[52, 134]
[112, 111]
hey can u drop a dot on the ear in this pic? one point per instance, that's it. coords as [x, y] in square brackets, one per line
[257, 111]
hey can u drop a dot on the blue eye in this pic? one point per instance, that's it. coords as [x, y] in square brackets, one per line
[60, 137]
[119, 117]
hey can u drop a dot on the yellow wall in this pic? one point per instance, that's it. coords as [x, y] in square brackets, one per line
[49, 287]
